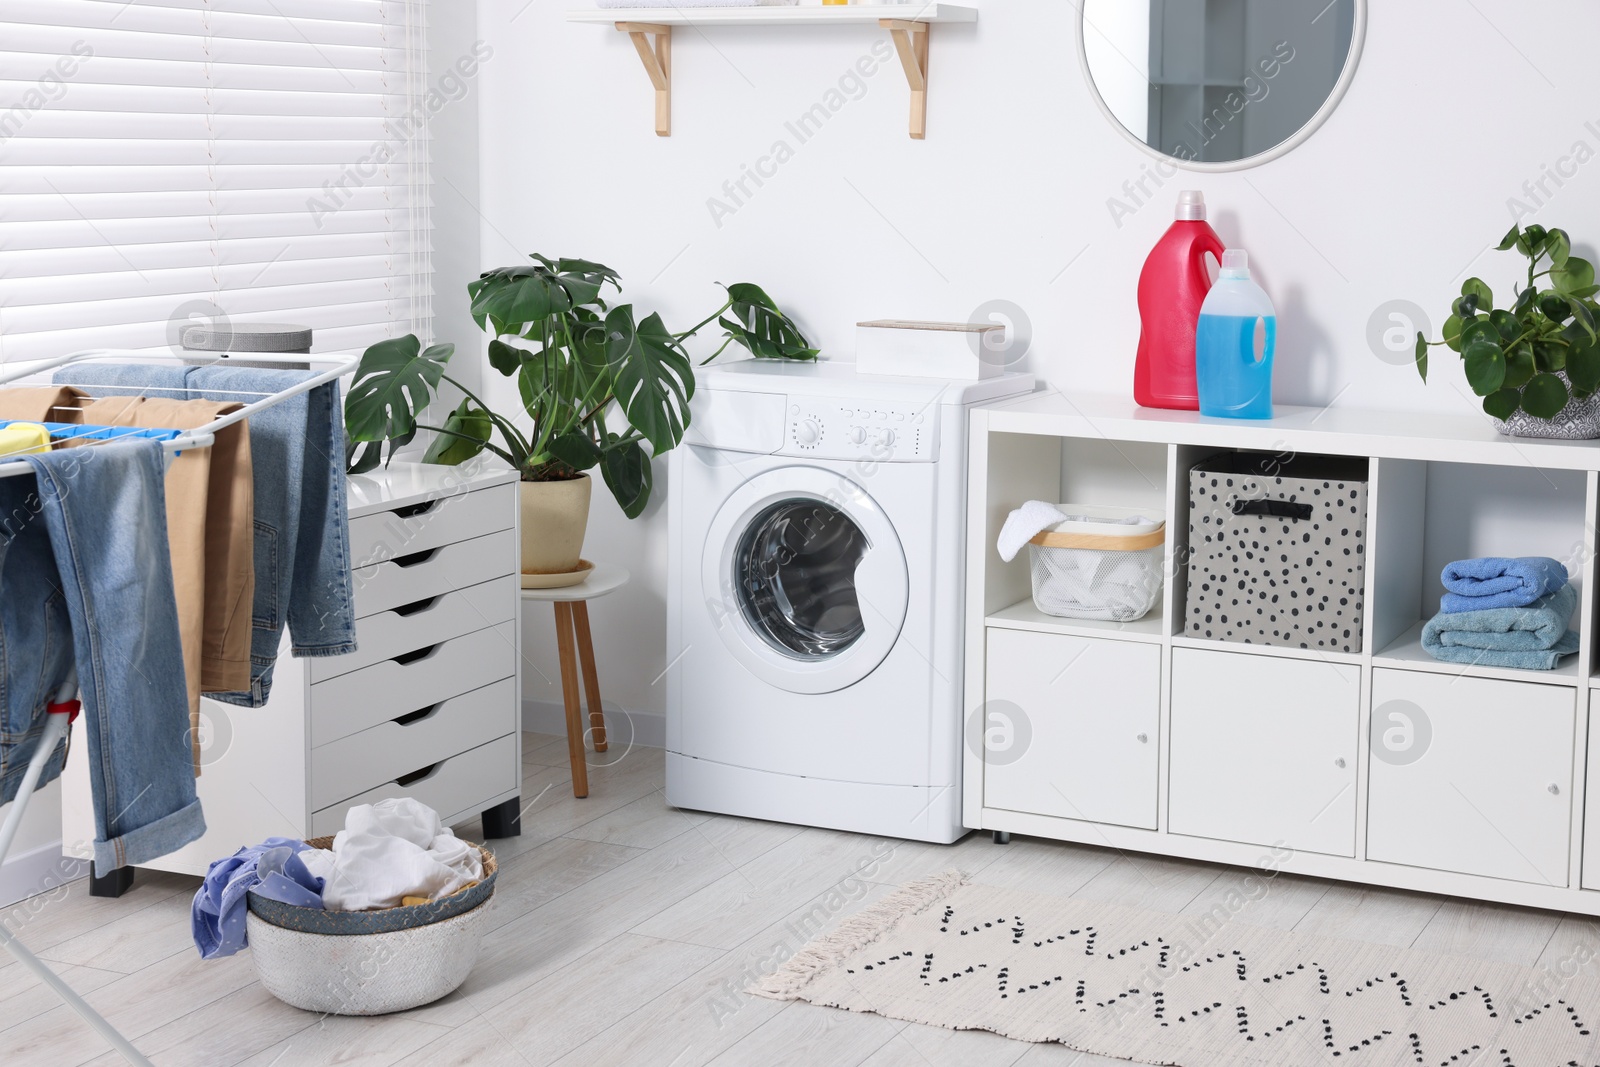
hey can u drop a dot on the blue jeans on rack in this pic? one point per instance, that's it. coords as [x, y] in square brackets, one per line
[86, 580]
[302, 542]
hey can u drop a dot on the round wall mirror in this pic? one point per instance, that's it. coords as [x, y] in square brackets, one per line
[1219, 84]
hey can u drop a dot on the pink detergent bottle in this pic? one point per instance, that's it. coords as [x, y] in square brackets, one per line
[1172, 287]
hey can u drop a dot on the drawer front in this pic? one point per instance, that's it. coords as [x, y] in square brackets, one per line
[1264, 750]
[1071, 727]
[385, 586]
[371, 758]
[456, 787]
[1471, 775]
[384, 691]
[409, 627]
[405, 531]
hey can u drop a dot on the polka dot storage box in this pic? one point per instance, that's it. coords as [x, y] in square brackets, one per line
[369, 962]
[1278, 550]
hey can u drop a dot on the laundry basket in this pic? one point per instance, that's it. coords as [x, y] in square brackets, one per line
[1101, 563]
[369, 962]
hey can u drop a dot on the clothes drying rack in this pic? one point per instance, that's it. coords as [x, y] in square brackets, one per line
[63, 711]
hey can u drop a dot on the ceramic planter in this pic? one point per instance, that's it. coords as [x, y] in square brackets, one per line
[554, 518]
[1578, 421]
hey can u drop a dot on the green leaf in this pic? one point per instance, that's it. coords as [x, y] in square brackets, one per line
[1544, 396]
[1506, 324]
[507, 359]
[1559, 245]
[1553, 306]
[1503, 403]
[1519, 368]
[755, 322]
[394, 382]
[654, 379]
[1511, 238]
[1532, 240]
[1479, 329]
[1452, 332]
[626, 469]
[1574, 274]
[1582, 316]
[1525, 299]
[577, 450]
[1475, 287]
[1465, 306]
[1485, 365]
[1422, 355]
[1550, 356]
[1583, 367]
[473, 426]
[515, 298]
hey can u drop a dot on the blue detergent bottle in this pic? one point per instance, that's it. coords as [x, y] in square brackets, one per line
[1234, 343]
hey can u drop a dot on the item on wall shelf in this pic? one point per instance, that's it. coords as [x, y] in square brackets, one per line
[1233, 365]
[1497, 582]
[576, 361]
[1277, 550]
[1533, 637]
[1172, 288]
[1091, 562]
[1535, 363]
[968, 351]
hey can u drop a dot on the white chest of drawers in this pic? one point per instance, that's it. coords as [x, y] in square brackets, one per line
[428, 706]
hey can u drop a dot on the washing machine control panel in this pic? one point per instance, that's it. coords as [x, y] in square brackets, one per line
[859, 430]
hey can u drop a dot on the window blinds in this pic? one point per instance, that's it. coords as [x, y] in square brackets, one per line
[168, 162]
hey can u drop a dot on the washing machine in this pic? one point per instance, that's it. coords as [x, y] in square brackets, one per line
[817, 527]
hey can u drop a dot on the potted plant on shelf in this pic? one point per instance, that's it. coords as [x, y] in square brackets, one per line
[597, 385]
[1536, 363]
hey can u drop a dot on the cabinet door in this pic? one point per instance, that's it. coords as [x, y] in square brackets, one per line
[1471, 775]
[1069, 727]
[1591, 803]
[1264, 750]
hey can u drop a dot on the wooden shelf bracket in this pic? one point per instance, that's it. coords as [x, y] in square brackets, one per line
[911, 42]
[657, 59]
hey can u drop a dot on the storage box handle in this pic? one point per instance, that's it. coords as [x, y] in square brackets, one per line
[1278, 509]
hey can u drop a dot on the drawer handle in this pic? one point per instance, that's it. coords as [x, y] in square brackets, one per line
[416, 776]
[416, 716]
[411, 511]
[407, 610]
[415, 558]
[409, 658]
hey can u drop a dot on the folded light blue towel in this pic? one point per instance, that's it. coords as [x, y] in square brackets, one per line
[1534, 637]
[1497, 582]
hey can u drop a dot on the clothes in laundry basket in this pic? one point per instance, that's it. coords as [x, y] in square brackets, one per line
[274, 868]
[389, 851]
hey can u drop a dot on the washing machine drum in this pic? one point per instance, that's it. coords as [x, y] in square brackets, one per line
[806, 580]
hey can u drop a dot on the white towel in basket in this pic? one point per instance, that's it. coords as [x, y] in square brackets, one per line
[1023, 524]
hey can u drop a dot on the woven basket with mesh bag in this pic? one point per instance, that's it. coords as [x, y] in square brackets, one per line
[1101, 563]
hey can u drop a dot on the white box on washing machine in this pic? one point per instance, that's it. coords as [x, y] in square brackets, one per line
[966, 351]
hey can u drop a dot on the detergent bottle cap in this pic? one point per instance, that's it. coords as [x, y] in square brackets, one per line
[1191, 206]
[1235, 263]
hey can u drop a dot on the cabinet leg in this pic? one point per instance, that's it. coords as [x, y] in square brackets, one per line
[1002, 837]
[504, 819]
[569, 695]
[114, 884]
[591, 677]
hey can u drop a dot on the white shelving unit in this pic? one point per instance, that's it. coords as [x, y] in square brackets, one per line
[650, 29]
[1382, 766]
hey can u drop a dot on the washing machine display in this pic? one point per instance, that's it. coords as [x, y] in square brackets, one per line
[796, 564]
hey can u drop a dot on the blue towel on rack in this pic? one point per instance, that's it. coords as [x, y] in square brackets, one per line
[1534, 637]
[1497, 582]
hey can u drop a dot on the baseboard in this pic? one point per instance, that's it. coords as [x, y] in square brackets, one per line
[641, 727]
[38, 871]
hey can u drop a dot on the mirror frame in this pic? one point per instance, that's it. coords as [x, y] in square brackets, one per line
[1358, 37]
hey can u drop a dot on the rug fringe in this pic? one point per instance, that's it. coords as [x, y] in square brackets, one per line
[863, 928]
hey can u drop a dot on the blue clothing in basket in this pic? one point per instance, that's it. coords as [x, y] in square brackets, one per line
[273, 869]
[1534, 637]
[1497, 582]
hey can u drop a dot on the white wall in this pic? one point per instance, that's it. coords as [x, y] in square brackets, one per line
[1401, 195]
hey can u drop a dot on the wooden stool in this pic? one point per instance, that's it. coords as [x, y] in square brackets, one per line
[577, 648]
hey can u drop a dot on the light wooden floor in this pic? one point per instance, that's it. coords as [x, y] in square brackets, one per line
[625, 932]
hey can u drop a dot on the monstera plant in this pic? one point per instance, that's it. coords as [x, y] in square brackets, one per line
[1541, 351]
[599, 386]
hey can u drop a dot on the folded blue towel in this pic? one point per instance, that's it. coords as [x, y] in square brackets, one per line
[1534, 637]
[1497, 582]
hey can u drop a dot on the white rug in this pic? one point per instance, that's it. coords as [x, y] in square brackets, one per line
[1167, 989]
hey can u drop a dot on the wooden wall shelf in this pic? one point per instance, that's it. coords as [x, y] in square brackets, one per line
[909, 24]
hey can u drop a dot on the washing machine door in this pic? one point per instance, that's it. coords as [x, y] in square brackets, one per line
[805, 579]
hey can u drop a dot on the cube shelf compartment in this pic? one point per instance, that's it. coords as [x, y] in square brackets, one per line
[1341, 765]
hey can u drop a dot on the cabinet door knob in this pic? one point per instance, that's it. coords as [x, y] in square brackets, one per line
[1555, 790]
[1144, 739]
[1339, 763]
